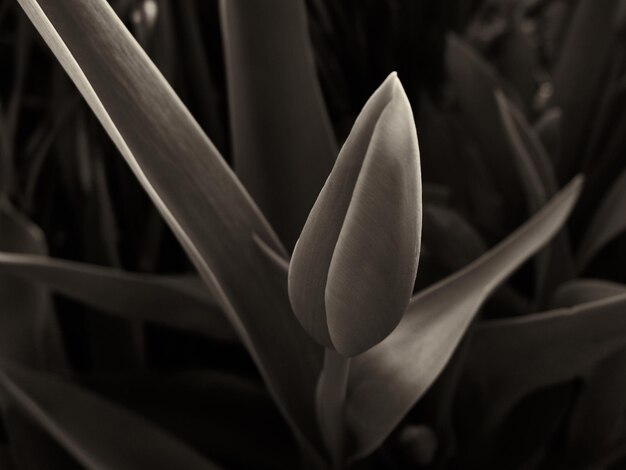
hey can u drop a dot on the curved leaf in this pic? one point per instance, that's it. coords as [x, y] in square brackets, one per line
[178, 301]
[283, 143]
[386, 381]
[580, 291]
[193, 188]
[96, 432]
[542, 349]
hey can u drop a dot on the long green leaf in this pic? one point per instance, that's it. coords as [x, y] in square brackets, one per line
[177, 301]
[96, 432]
[193, 188]
[386, 381]
[283, 143]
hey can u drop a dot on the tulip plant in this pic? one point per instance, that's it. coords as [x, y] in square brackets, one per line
[306, 254]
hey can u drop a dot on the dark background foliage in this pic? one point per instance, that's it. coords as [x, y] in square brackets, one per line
[68, 179]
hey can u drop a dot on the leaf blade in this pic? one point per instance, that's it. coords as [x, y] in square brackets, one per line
[67, 413]
[388, 379]
[213, 217]
[283, 143]
[177, 301]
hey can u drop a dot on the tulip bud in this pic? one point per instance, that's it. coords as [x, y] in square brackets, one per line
[352, 272]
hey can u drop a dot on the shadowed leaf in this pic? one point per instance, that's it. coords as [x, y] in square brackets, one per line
[548, 128]
[585, 54]
[96, 432]
[218, 414]
[283, 143]
[543, 349]
[178, 301]
[608, 222]
[597, 422]
[534, 185]
[553, 263]
[449, 243]
[475, 81]
[29, 332]
[580, 291]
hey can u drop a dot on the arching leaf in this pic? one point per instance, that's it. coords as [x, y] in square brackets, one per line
[386, 381]
[178, 301]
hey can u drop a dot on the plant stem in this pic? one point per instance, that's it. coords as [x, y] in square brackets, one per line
[330, 399]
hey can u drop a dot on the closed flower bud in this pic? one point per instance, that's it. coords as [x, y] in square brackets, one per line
[352, 271]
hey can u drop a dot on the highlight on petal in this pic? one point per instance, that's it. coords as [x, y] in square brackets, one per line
[353, 268]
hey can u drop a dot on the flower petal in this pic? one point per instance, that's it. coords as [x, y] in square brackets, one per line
[312, 255]
[373, 267]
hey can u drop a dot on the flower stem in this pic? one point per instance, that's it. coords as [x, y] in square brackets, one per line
[330, 399]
